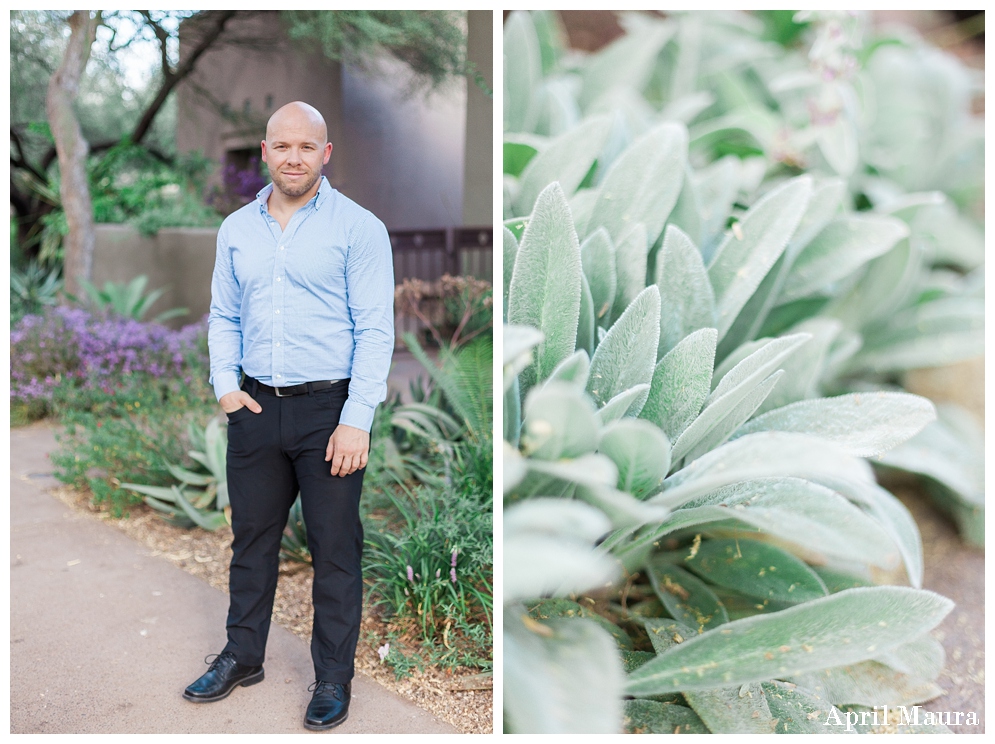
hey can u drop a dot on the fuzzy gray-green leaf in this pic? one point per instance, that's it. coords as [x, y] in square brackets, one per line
[767, 357]
[510, 251]
[653, 717]
[843, 246]
[522, 71]
[804, 369]
[586, 322]
[817, 520]
[640, 451]
[681, 383]
[559, 422]
[865, 424]
[627, 403]
[844, 628]
[796, 711]
[762, 455]
[566, 159]
[685, 596]
[687, 302]
[597, 255]
[949, 451]
[732, 710]
[546, 285]
[868, 683]
[739, 265]
[569, 681]
[630, 268]
[888, 511]
[573, 370]
[756, 569]
[628, 352]
[643, 183]
[721, 418]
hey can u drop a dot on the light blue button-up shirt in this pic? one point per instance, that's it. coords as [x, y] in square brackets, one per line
[312, 302]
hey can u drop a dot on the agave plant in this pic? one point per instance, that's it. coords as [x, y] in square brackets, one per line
[884, 267]
[200, 498]
[694, 538]
[129, 299]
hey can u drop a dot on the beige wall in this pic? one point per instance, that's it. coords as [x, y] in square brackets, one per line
[181, 258]
[478, 166]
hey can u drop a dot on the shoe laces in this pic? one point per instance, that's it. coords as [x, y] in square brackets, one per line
[319, 686]
[215, 660]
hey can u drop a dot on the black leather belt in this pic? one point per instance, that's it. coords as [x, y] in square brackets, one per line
[304, 388]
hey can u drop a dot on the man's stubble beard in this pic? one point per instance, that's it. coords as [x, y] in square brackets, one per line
[293, 191]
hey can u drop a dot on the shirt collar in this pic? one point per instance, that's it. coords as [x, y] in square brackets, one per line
[324, 191]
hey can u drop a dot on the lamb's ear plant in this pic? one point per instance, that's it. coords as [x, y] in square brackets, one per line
[695, 539]
[886, 264]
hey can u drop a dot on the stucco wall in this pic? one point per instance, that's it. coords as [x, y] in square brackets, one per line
[181, 258]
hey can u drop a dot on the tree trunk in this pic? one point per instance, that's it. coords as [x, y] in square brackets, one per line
[72, 150]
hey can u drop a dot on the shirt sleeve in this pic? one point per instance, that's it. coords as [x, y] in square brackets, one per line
[224, 334]
[370, 293]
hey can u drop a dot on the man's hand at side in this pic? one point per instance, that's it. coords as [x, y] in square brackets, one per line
[348, 449]
[231, 402]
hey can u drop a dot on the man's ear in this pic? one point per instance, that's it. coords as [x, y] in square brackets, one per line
[263, 146]
[328, 152]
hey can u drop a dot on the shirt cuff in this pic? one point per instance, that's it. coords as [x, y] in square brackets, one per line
[357, 415]
[224, 383]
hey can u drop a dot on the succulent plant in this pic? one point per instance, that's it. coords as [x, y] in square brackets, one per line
[201, 498]
[693, 535]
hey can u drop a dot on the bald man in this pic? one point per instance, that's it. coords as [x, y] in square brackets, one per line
[301, 336]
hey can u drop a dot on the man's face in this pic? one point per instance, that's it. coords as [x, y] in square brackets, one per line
[294, 151]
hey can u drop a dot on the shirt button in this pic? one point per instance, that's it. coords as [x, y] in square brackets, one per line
[282, 247]
[279, 376]
[277, 343]
[277, 312]
[278, 278]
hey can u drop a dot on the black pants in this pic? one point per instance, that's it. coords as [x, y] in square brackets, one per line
[272, 455]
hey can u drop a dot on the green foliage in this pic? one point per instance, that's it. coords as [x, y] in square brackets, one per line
[432, 43]
[676, 435]
[102, 451]
[437, 566]
[201, 499]
[33, 289]
[129, 299]
[430, 562]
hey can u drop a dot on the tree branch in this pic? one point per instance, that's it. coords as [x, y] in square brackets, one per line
[21, 161]
[219, 19]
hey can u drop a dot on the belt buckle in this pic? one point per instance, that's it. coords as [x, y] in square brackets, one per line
[276, 390]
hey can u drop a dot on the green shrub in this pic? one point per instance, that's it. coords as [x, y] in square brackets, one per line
[102, 452]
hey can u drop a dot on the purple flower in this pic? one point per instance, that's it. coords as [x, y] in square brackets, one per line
[73, 345]
[411, 575]
[453, 561]
[452, 575]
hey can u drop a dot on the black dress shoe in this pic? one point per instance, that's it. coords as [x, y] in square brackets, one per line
[223, 676]
[329, 705]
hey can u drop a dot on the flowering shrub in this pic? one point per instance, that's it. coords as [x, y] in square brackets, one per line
[239, 186]
[76, 357]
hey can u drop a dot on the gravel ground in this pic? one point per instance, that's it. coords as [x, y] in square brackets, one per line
[463, 697]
